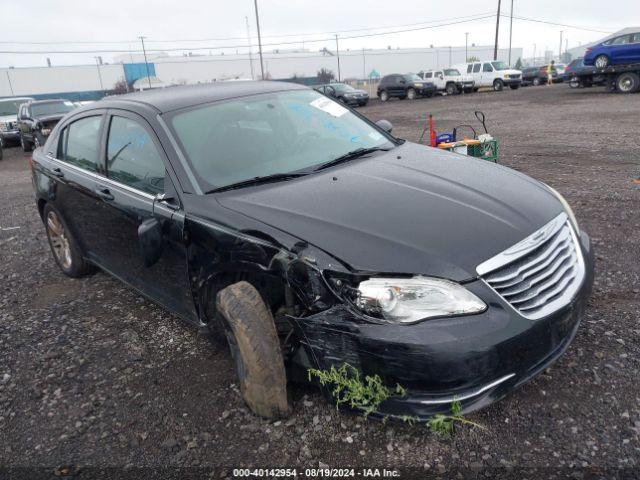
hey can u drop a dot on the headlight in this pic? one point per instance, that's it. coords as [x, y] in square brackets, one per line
[567, 208]
[3, 126]
[408, 300]
[419, 85]
[506, 75]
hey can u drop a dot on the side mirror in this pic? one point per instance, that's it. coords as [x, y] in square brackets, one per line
[385, 125]
[150, 241]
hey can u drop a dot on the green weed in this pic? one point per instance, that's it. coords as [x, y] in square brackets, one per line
[350, 388]
[445, 424]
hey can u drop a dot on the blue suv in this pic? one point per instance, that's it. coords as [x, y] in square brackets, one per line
[615, 51]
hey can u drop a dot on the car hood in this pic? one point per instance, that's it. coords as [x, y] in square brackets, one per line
[50, 118]
[412, 210]
[8, 118]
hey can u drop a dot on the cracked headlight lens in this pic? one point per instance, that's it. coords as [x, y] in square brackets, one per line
[408, 300]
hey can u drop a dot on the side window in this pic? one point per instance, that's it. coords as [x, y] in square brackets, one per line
[469, 67]
[399, 80]
[476, 67]
[429, 75]
[487, 67]
[623, 40]
[81, 143]
[635, 38]
[132, 157]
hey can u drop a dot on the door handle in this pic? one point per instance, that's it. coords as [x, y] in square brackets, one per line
[57, 172]
[103, 192]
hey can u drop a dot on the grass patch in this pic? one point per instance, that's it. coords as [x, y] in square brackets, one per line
[445, 425]
[348, 387]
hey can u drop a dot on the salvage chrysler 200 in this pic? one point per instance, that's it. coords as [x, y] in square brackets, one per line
[311, 237]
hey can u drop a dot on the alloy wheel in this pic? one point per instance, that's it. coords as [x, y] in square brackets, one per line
[59, 240]
[601, 61]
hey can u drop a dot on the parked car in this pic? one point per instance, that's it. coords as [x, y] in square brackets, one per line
[574, 70]
[344, 93]
[539, 75]
[404, 86]
[37, 118]
[494, 74]
[311, 237]
[615, 51]
[9, 133]
[447, 80]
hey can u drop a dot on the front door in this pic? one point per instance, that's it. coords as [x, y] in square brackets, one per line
[487, 74]
[136, 173]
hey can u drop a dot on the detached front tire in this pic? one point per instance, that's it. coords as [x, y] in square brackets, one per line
[255, 349]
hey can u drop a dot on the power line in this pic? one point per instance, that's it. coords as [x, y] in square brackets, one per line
[223, 47]
[197, 40]
[535, 20]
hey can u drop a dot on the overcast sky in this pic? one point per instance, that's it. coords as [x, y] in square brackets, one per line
[293, 21]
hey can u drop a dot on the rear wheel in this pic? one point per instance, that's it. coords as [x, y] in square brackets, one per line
[601, 61]
[411, 94]
[627, 82]
[25, 144]
[498, 85]
[255, 348]
[384, 96]
[64, 246]
[536, 81]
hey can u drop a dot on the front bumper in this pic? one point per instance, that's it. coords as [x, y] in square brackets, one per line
[476, 359]
[359, 101]
[10, 137]
[512, 81]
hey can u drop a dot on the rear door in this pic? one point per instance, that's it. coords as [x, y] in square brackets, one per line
[634, 48]
[477, 74]
[136, 176]
[620, 49]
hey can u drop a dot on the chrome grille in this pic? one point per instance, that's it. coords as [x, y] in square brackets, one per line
[540, 274]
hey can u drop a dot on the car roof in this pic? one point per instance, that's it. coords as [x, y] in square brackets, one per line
[174, 98]
[48, 100]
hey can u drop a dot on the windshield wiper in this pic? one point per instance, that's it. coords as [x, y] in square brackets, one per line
[275, 177]
[357, 153]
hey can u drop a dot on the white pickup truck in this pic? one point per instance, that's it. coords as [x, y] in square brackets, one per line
[448, 80]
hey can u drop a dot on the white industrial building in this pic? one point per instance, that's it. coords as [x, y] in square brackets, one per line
[171, 70]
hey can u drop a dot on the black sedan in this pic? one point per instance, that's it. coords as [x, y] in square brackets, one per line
[344, 93]
[37, 118]
[311, 237]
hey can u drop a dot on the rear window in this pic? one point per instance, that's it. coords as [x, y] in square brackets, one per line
[53, 108]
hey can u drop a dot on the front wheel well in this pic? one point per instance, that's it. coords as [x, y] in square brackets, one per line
[41, 204]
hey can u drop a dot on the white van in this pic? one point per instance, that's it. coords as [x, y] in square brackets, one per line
[494, 74]
[448, 80]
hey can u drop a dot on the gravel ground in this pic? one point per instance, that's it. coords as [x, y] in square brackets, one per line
[93, 375]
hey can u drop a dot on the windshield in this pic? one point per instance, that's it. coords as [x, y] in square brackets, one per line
[10, 107]
[342, 87]
[500, 65]
[412, 77]
[51, 108]
[449, 72]
[244, 138]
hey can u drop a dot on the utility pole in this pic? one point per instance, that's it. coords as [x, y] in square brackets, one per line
[560, 49]
[466, 47]
[534, 54]
[338, 56]
[9, 80]
[146, 63]
[246, 21]
[450, 55]
[364, 64]
[99, 74]
[510, 32]
[255, 3]
[495, 46]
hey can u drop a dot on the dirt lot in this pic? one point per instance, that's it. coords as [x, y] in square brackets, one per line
[92, 374]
